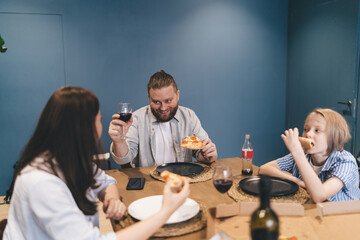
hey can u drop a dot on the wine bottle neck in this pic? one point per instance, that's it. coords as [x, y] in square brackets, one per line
[264, 201]
[265, 192]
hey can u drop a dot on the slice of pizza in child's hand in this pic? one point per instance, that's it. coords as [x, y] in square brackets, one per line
[192, 142]
[176, 182]
[306, 143]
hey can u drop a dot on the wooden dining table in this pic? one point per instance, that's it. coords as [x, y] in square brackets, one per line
[305, 227]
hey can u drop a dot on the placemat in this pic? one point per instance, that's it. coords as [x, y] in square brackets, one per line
[235, 192]
[202, 177]
[173, 230]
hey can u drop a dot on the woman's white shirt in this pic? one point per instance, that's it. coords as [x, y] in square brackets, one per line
[42, 207]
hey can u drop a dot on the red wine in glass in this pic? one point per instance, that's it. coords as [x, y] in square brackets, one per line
[222, 178]
[125, 112]
[223, 185]
[125, 116]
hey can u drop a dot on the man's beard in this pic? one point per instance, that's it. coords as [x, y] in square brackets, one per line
[160, 119]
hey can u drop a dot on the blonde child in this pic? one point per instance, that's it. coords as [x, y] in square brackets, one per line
[327, 171]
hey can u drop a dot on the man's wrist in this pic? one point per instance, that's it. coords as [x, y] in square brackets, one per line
[197, 157]
[116, 146]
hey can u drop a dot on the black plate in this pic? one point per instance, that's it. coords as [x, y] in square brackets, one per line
[181, 168]
[279, 187]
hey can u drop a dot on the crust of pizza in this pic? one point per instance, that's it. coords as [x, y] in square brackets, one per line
[306, 143]
[281, 237]
[193, 143]
[175, 180]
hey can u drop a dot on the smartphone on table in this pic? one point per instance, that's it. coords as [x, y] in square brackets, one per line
[135, 184]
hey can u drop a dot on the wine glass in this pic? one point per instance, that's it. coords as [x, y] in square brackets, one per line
[125, 112]
[222, 178]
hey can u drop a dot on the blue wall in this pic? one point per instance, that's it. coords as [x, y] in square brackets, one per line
[322, 60]
[228, 58]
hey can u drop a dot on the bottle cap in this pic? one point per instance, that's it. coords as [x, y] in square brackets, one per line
[247, 136]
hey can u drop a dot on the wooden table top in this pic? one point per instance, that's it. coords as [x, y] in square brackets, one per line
[309, 226]
[203, 192]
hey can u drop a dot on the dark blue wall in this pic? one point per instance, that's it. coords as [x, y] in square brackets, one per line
[228, 58]
[322, 59]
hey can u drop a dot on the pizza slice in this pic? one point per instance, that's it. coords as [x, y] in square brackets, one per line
[192, 142]
[175, 180]
[281, 237]
[306, 143]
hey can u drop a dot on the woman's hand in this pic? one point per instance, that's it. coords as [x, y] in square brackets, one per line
[114, 208]
[145, 228]
[172, 201]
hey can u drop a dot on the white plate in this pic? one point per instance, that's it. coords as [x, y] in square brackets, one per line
[148, 206]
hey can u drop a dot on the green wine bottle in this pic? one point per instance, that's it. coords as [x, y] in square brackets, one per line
[264, 221]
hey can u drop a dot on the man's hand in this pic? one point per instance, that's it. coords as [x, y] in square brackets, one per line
[118, 128]
[209, 153]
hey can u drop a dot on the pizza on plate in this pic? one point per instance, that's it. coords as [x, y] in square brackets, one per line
[192, 142]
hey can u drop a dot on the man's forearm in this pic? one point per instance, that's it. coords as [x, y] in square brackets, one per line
[120, 149]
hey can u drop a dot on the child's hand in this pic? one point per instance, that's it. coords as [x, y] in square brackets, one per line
[290, 138]
[301, 184]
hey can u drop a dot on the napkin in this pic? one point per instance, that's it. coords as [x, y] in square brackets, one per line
[247, 208]
[220, 235]
[329, 208]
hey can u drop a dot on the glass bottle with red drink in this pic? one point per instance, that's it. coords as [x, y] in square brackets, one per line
[247, 156]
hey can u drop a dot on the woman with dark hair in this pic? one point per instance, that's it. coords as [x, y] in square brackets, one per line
[57, 183]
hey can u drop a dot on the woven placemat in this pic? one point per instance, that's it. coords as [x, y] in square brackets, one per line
[235, 192]
[173, 230]
[201, 177]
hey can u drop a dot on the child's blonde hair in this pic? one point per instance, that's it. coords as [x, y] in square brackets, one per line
[337, 129]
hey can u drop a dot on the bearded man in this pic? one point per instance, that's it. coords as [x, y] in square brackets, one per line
[155, 132]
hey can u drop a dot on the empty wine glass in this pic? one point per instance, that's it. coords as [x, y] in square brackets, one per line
[222, 178]
[125, 112]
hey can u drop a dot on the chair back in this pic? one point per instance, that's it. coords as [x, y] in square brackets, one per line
[103, 160]
[2, 227]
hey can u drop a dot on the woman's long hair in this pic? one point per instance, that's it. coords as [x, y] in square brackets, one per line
[66, 131]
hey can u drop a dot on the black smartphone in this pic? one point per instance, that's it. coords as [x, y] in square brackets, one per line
[135, 184]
